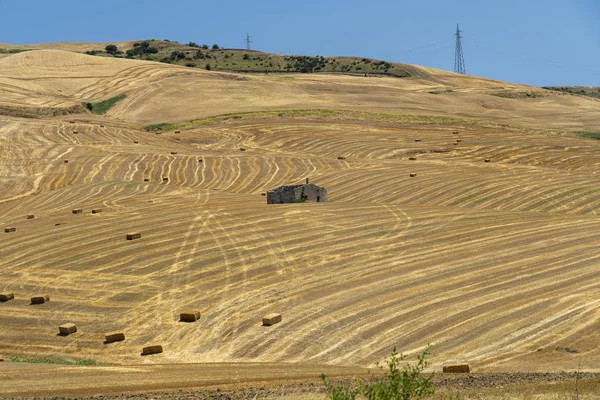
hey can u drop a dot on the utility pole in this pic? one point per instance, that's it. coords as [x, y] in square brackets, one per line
[459, 60]
[248, 41]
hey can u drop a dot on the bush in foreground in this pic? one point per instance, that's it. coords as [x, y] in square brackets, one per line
[404, 383]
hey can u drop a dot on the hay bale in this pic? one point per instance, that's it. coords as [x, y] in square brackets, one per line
[455, 143]
[6, 297]
[67, 329]
[71, 122]
[135, 142]
[263, 194]
[200, 160]
[146, 180]
[413, 175]
[75, 132]
[96, 211]
[40, 299]
[456, 369]
[177, 131]
[30, 216]
[77, 210]
[158, 132]
[487, 160]
[341, 158]
[101, 126]
[8, 230]
[412, 158]
[165, 179]
[66, 161]
[458, 140]
[189, 316]
[242, 149]
[155, 349]
[417, 140]
[133, 236]
[114, 337]
[455, 133]
[173, 152]
[271, 319]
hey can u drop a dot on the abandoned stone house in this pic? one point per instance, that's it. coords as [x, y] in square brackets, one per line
[297, 194]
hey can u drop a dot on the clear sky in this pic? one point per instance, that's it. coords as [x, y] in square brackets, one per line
[538, 42]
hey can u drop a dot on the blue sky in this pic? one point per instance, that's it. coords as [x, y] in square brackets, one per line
[538, 42]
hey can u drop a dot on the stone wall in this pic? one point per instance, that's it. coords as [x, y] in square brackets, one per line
[291, 194]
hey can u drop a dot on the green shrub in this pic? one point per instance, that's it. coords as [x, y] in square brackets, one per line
[403, 383]
[54, 361]
[208, 67]
[205, 46]
[104, 106]
[111, 49]
[215, 47]
[246, 56]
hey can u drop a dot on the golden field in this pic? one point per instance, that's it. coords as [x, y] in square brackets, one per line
[493, 263]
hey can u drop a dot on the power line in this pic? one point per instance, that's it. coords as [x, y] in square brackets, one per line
[459, 60]
[425, 46]
[248, 41]
[538, 60]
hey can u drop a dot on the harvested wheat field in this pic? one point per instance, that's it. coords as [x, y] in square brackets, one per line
[493, 263]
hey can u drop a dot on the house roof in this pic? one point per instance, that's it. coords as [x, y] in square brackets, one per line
[293, 187]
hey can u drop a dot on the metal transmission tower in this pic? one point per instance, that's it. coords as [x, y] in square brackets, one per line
[459, 60]
[248, 41]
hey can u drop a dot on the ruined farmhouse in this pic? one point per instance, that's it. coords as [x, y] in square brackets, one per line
[297, 194]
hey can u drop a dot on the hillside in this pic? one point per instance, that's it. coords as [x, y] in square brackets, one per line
[591, 91]
[492, 262]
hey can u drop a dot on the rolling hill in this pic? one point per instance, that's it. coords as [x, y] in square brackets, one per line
[493, 263]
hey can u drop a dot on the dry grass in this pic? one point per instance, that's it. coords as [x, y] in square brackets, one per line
[488, 262]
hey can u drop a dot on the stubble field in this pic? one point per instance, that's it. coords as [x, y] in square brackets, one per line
[494, 263]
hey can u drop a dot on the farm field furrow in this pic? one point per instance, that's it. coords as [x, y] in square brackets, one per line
[488, 252]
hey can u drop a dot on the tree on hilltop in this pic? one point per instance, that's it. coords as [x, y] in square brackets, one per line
[111, 49]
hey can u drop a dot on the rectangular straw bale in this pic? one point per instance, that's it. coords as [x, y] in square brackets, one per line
[189, 316]
[67, 329]
[155, 349]
[177, 131]
[115, 337]
[455, 133]
[417, 140]
[66, 161]
[341, 158]
[242, 149]
[7, 230]
[6, 297]
[165, 179]
[173, 152]
[133, 236]
[40, 299]
[77, 210]
[456, 369]
[271, 319]
[30, 216]
[413, 175]
[487, 160]
[96, 211]
[412, 158]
